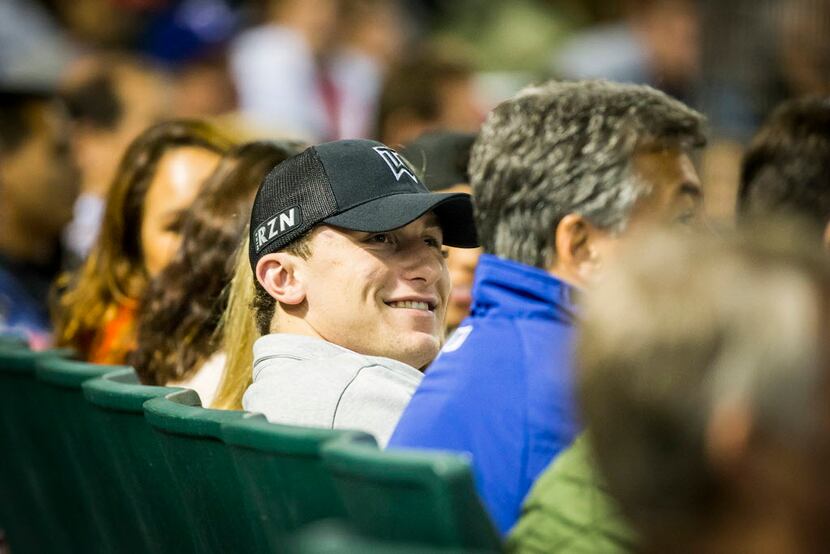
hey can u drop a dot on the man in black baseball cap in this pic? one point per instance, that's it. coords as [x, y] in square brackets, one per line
[347, 248]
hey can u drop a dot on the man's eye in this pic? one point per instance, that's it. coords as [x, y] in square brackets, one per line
[380, 238]
[433, 242]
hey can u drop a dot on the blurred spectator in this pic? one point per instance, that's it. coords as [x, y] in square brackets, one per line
[101, 23]
[372, 37]
[756, 53]
[278, 69]
[203, 88]
[179, 338]
[429, 91]
[159, 176]
[38, 184]
[507, 37]
[657, 43]
[111, 98]
[569, 510]
[190, 38]
[33, 48]
[314, 68]
[786, 170]
[805, 47]
[703, 375]
[559, 173]
[442, 157]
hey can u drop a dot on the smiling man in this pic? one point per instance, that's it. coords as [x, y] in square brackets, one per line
[347, 248]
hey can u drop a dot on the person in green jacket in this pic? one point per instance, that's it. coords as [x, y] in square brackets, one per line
[569, 510]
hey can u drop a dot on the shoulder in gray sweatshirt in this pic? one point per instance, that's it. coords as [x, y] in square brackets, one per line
[301, 380]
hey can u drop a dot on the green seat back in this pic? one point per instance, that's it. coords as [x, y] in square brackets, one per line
[280, 467]
[142, 483]
[30, 473]
[8, 342]
[334, 537]
[192, 441]
[93, 524]
[412, 497]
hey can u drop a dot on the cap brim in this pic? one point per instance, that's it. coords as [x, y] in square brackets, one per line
[454, 211]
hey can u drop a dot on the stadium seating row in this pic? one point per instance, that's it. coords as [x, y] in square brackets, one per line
[93, 461]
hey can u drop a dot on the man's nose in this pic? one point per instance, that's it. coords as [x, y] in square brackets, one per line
[420, 262]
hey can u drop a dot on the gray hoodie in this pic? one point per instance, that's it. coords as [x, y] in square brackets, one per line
[301, 380]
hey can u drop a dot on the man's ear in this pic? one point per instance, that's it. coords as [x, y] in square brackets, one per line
[278, 275]
[577, 250]
[827, 236]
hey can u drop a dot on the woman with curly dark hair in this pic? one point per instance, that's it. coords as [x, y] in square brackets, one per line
[158, 177]
[179, 336]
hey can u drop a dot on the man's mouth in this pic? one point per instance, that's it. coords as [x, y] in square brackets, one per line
[412, 305]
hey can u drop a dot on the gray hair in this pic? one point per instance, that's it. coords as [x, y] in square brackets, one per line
[690, 326]
[566, 147]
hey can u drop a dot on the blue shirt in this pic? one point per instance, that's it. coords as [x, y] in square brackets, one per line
[21, 314]
[501, 389]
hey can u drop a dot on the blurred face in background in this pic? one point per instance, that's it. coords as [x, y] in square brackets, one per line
[460, 108]
[138, 95]
[38, 177]
[315, 20]
[176, 182]
[462, 265]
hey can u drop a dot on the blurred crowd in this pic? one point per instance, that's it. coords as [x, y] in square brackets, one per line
[136, 134]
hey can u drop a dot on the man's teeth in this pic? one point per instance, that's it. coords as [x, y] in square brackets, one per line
[412, 305]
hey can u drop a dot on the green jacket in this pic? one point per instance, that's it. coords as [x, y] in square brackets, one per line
[567, 510]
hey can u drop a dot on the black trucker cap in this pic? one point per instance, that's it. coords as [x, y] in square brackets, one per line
[361, 185]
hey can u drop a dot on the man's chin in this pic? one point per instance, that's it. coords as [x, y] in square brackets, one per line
[417, 350]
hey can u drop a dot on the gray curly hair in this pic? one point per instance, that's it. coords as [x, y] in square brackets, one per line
[567, 147]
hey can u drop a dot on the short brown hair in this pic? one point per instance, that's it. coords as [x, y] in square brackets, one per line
[414, 87]
[786, 169]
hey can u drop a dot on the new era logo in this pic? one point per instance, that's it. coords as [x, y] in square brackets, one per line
[395, 162]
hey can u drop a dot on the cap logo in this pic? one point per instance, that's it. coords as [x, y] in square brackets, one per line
[277, 226]
[395, 162]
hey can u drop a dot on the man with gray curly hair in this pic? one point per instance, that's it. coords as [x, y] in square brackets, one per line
[559, 173]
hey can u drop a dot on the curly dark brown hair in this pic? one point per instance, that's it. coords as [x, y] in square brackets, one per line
[182, 307]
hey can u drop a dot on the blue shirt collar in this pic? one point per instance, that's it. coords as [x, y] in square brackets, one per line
[515, 290]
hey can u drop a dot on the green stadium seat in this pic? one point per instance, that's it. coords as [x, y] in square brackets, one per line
[12, 341]
[93, 526]
[410, 497]
[139, 480]
[192, 440]
[283, 478]
[333, 537]
[29, 470]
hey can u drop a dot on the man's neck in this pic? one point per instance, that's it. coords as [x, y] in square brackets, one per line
[565, 277]
[285, 322]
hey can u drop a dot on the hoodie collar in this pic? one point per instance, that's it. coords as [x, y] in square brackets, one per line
[514, 290]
